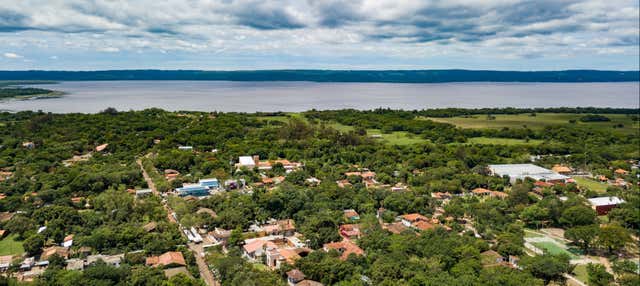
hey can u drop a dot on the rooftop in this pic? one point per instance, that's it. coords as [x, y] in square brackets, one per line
[605, 201]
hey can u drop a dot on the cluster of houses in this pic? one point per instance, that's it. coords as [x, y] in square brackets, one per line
[277, 243]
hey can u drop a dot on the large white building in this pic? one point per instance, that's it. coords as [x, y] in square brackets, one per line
[522, 171]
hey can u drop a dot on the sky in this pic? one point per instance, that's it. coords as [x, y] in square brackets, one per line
[319, 34]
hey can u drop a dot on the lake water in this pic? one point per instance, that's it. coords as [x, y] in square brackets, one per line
[94, 96]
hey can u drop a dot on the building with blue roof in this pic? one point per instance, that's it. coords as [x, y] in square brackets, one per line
[193, 190]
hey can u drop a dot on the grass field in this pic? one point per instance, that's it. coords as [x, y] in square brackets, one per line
[591, 184]
[540, 121]
[9, 246]
[532, 233]
[503, 141]
[552, 248]
[580, 272]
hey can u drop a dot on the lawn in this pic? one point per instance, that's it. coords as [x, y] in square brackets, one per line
[552, 248]
[539, 121]
[591, 184]
[502, 141]
[532, 233]
[9, 246]
[393, 138]
[580, 272]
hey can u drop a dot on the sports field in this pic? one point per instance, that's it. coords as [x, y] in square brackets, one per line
[552, 248]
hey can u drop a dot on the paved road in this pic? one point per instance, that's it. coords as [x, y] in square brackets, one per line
[205, 272]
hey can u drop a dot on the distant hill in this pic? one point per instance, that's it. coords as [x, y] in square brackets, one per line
[396, 76]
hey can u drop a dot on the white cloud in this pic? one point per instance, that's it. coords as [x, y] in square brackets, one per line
[109, 50]
[12, 56]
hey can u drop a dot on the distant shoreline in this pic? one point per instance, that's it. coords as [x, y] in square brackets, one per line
[355, 76]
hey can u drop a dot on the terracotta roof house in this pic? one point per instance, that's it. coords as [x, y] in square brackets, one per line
[6, 216]
[343, 183]
[542, 184]
[621, 172]
[410, 219]
[481, 192]
[350, 231]
[351, 214]
[441, 196]
[423, 225]
[171, 258]
[220, 235]
[561, 169]
[345, 248]
[2, 233]
[499, 195]
[256, 248]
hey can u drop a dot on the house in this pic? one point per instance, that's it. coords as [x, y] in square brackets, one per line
[61, 251]
[77, 200]
[219, 235]
[543, 184]
[171, 174]
[309, 283]
[284, 255]
[603, 205]
[67, 241]
[75, 264]
[211, 183]
[195, 190]
[409, 219]
[246, 162]
[396, 227]
[5, 262]
[621, 172]
[561, 169]
[522, 171]
[294, 276]
[351, 214]
[143, 193]
[481, 192]
[256, 248]
[113, 260]
[441, 196]
[285, 227]
[102, 147]
[167, 259]
[27, 263]
[350, 231]
[345, 248]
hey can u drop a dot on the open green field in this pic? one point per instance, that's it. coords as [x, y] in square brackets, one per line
[539, 121]
[552, 248]
[591, 184]
[580, 272]
[532, 233]
[9, 246]
[503, 141]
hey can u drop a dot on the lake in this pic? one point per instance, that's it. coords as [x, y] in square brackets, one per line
[94, 96]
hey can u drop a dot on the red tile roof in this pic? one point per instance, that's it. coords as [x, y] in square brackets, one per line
[345, 247]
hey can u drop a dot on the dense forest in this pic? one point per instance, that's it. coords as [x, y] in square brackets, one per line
[444, 158]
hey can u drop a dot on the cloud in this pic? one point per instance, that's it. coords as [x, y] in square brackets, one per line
[109, 50]
[12, 56]
[338, 28]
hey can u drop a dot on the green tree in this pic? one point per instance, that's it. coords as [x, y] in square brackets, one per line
[598, 275]
[613, 237]
[583, 236]
[577, 216]
[547, 267]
